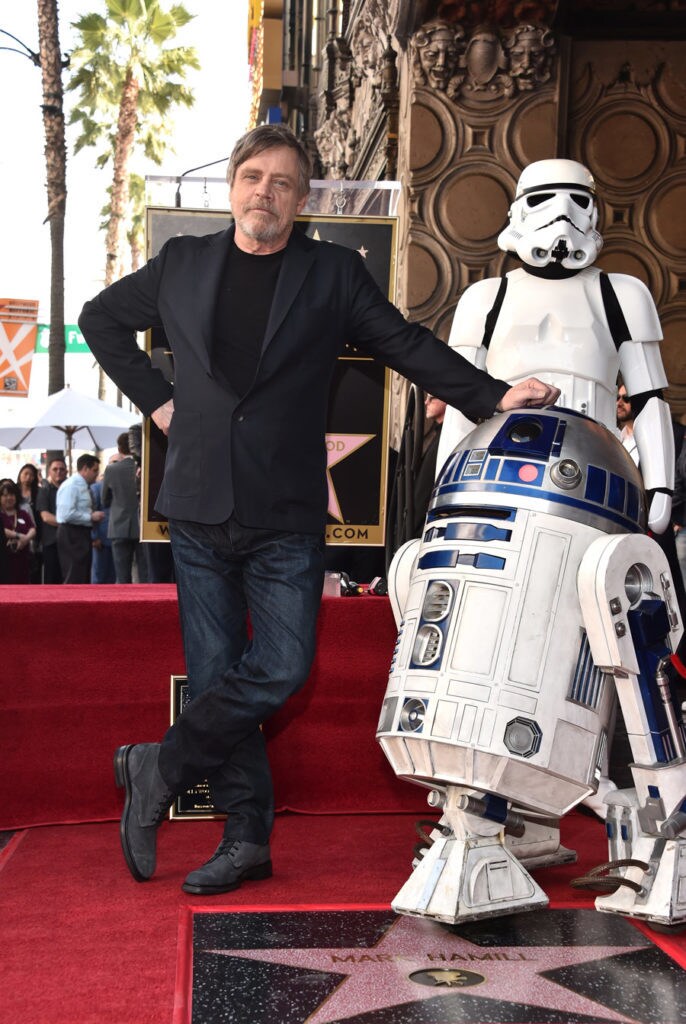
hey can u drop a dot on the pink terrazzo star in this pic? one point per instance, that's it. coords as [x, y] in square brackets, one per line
[339, 447]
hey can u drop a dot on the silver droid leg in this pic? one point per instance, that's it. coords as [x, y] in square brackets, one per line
[633, 623]
[468, 872]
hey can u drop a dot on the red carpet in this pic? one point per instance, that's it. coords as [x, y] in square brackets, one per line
[82, 942]
[91, 669]
[85, 944]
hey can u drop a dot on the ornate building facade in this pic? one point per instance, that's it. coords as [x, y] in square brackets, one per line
[454, 97]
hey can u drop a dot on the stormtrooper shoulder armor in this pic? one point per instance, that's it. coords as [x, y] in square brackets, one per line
[638, 308]
[469, 322]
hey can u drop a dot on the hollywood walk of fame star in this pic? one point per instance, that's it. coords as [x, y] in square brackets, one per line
[339, 447]
[379, 977]
[442, 976]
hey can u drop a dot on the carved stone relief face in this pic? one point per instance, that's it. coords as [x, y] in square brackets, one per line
[342, 105]
[438, 48]
[530, 55]
[367, 50]
[484, 56]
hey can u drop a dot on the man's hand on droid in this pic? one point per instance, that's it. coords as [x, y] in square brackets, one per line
[162, 416]
[660, 512]
[528, 394]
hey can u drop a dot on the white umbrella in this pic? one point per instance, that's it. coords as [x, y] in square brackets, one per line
[66, 420]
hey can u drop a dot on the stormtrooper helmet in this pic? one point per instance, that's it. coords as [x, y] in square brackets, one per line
[553, 216]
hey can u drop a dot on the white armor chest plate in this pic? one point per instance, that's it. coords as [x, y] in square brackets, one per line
[573, 343]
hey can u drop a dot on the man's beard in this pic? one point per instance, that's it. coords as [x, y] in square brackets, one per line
[260, 232]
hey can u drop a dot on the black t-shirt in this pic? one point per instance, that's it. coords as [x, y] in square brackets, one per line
[241, 314]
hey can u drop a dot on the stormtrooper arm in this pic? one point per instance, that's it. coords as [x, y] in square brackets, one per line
[655, 443]
[466, 337]
[644, 377]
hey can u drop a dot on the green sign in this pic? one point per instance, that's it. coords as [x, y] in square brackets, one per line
[73, 339]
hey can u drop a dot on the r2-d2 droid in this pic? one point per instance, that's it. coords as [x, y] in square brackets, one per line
[534, 595]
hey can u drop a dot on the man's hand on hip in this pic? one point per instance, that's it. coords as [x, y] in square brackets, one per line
[162, 416]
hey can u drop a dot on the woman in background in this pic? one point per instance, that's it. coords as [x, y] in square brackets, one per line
[19, 529]
[28, 484]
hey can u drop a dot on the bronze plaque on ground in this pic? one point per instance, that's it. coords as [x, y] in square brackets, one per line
[197, 802]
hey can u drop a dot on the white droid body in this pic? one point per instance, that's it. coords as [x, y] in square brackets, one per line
[495, 697]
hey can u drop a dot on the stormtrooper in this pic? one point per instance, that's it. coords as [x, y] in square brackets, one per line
[577, 325]
[535, 595]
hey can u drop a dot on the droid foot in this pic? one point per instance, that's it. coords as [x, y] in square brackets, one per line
[645, 877]
[467, 879]
[652, 887]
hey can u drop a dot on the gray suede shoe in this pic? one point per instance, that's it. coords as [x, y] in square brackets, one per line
[148, 798]
[233, 862]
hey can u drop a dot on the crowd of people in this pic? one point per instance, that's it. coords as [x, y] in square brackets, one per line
[82, 528]
[106, 531]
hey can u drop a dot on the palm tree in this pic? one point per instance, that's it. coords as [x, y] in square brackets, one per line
[128, 80]
[135, 224]
[135, 234]
[51, 64]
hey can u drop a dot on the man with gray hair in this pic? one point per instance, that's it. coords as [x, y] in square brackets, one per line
[256, 317]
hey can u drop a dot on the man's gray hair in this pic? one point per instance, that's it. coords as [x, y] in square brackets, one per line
[269, 136]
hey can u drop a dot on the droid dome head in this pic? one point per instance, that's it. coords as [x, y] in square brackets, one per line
[554, 461]
[553, 217]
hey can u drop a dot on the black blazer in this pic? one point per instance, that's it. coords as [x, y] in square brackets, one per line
[262, 456]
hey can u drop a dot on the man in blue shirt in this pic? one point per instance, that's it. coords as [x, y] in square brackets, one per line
[75, 518]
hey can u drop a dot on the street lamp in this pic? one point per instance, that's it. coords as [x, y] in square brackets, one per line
[25, 50]
[179, 180]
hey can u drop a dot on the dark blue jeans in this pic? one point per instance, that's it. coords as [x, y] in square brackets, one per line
[102, 566]
[224, 573]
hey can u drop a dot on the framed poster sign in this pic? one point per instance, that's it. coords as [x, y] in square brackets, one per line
[357, 427]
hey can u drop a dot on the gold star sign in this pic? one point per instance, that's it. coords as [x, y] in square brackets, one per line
[339, 447]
